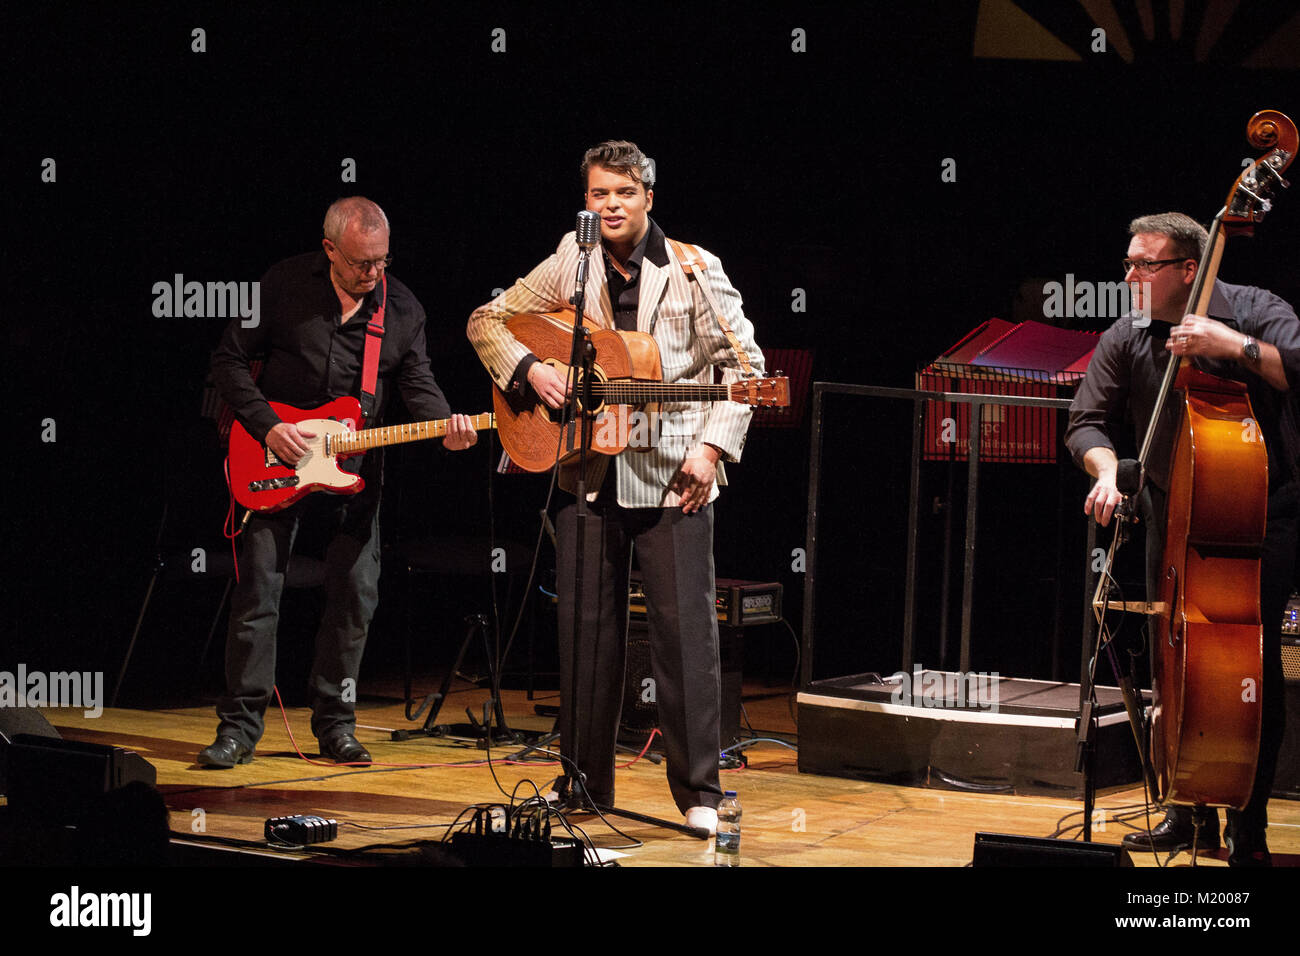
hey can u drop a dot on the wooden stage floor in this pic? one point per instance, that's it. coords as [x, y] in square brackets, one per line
[790, 819]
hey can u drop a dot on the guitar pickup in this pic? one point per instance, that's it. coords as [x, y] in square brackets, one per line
[272, 484]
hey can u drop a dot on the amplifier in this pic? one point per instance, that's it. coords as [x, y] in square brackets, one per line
[1291, 639]
[1291, 617]
[640, 713]
[739, 603]
[1291, 659]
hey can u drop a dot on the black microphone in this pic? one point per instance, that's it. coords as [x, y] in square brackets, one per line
[588, 230]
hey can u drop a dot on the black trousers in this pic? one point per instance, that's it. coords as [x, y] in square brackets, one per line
[352, 585]
[1277, 577]
[675, 554]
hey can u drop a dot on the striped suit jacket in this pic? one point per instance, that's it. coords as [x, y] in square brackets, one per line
[673, 310]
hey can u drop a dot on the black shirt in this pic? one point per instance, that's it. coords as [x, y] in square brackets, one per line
[1123, 379]
[625, 294]
[311, 356]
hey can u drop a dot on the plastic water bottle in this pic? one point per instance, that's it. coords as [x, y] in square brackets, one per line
[726, 844]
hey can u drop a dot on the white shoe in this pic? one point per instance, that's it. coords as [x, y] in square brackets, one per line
[703, 818]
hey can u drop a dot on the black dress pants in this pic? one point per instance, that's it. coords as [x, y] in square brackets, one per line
[675, 554]
[352, 585]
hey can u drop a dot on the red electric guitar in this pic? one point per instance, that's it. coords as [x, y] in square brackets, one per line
[260, 481]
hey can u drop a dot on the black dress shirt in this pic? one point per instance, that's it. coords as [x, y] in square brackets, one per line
[312, 356]
[1118, 394]
[625, 294]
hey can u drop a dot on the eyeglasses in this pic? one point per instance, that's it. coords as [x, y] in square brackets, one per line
[365, 264]
[1148, 267]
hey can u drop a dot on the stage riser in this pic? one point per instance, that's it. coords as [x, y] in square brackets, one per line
[912, 746]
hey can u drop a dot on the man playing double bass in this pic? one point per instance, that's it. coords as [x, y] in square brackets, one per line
[1249, 335]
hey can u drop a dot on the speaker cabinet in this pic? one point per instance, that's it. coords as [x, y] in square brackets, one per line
[15, 721]
[1002, 849]
[641, 711]
[1286, 781]
[55, 780]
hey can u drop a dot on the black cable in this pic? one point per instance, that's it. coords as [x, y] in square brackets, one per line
[394, 826]
[744, 714]
[794, 678]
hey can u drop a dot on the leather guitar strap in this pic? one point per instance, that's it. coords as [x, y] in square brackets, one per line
[693, 265]
[370, 361]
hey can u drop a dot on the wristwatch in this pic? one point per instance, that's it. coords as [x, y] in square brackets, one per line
[1250, 349]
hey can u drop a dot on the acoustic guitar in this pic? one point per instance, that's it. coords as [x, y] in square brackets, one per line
[626, 390]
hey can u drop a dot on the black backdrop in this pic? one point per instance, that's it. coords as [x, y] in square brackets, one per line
[817, 170]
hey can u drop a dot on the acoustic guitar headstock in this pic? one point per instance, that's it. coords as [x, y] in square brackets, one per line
[762, 392]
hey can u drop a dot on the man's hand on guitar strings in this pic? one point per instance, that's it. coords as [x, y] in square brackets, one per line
[289, 442]
[549, 384]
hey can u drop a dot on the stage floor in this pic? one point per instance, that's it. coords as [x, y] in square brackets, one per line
[790, 819]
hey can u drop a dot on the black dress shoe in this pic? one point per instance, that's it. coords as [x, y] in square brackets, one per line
[225, 752]
[1177, 831]
[1247, 847]
[344, 748]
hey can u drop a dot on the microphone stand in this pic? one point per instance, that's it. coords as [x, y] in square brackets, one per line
[582, 357]
[1129, 482]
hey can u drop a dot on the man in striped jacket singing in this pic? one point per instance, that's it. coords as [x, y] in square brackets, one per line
[658, 499]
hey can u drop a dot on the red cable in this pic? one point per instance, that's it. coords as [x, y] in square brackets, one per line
[654, 733]
[227, 526]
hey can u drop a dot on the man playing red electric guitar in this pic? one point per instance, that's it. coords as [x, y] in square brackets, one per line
[312, 334]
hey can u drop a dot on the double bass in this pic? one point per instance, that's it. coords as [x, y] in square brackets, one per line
[1206, 632]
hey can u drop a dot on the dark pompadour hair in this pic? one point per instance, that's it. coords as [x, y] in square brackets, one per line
[620, 156]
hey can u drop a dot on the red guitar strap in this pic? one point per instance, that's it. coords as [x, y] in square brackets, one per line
[370, 361]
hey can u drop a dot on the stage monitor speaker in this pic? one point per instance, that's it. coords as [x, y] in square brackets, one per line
[23, 720]
[54, 780]
[1003, 849]
[15, 721]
